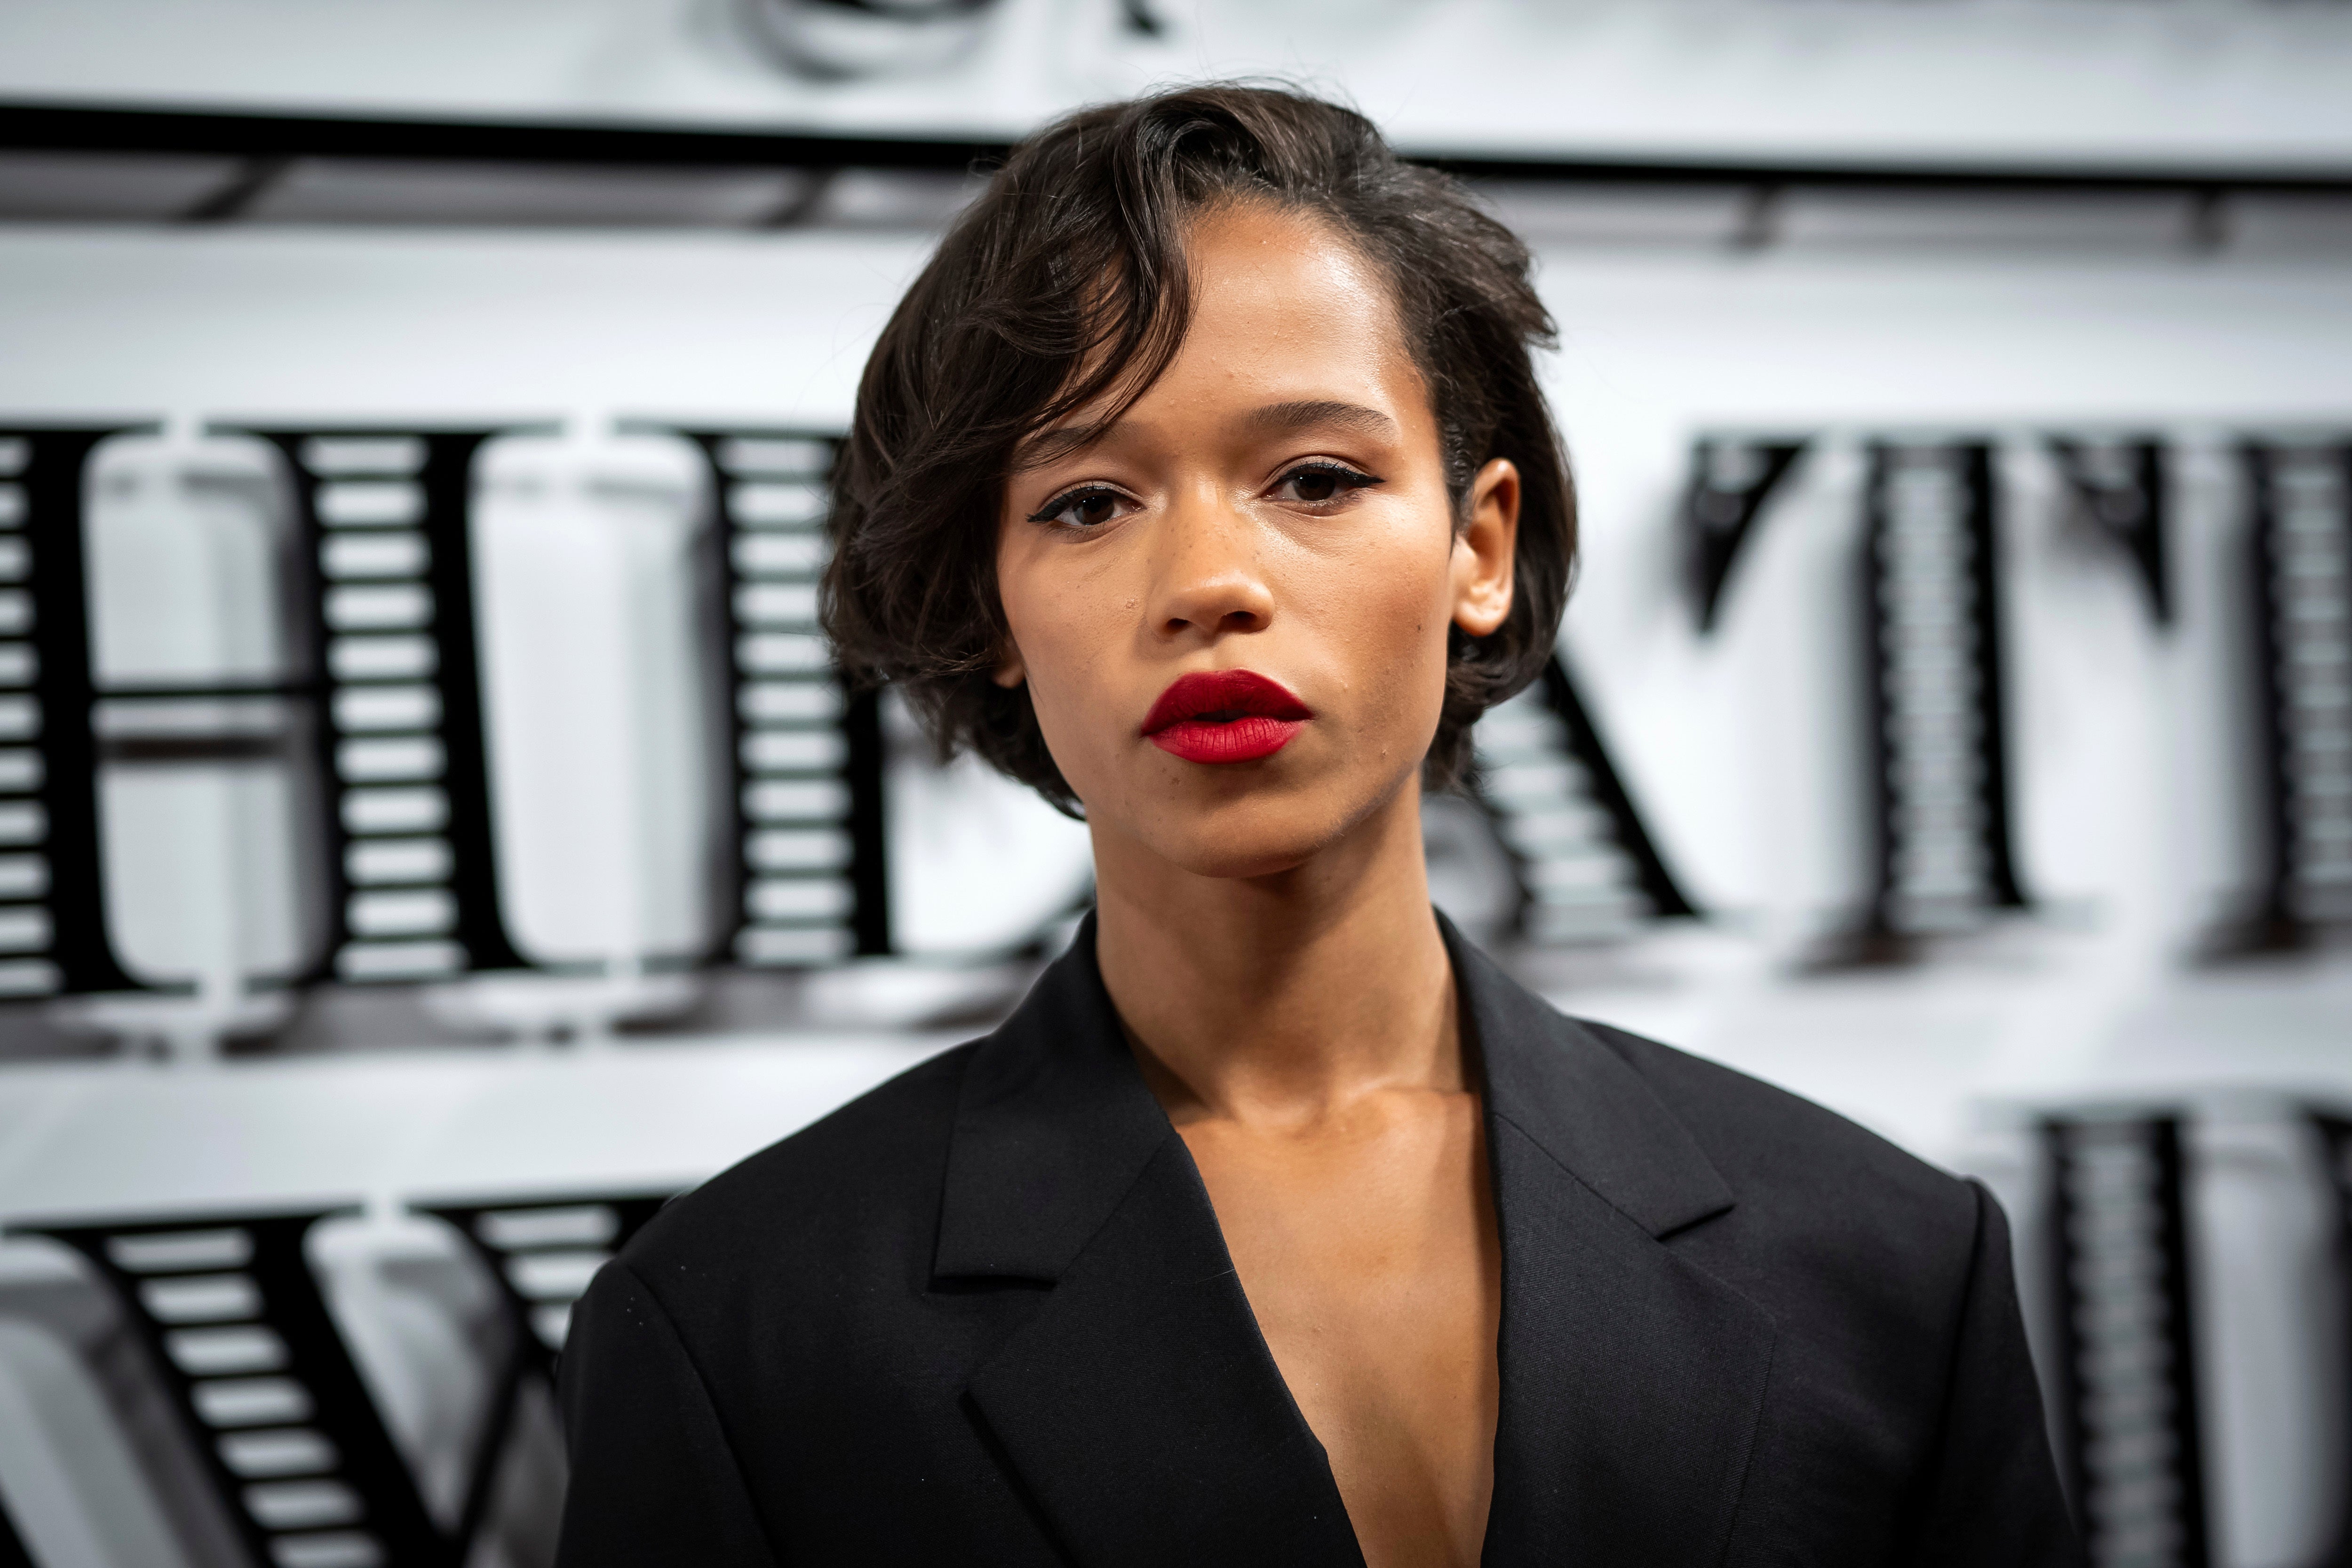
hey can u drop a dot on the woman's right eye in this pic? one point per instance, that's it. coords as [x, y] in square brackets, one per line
[1089, 508]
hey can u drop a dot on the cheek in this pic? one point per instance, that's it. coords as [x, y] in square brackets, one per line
[1064, 616]
[1387, 610]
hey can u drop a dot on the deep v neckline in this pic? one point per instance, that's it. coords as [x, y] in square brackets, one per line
[1139, 1408]
[1352, 1328]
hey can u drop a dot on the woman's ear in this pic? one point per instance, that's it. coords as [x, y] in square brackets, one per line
[1486, 551]
[1010, 671]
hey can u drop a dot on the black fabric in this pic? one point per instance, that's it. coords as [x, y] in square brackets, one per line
[984, 1315]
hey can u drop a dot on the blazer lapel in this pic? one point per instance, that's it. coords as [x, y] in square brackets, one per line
[1139, 1406]
[1632, 1381]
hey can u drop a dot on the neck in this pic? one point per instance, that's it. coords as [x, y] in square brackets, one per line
[1284, 995]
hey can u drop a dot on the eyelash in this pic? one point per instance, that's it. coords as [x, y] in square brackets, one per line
[1053, 510]
[1348, 480]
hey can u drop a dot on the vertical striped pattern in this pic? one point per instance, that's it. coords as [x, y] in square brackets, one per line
[411, 866]
[2127, 1344]
[1937, 737]
[810, 866]
[2303, 573]
[53, 929]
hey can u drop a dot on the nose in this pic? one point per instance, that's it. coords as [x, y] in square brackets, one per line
[1206, 576]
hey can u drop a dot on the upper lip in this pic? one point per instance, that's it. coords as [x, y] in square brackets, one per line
[1223, 693]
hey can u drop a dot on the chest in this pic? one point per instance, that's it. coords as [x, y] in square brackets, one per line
[1367, 1251]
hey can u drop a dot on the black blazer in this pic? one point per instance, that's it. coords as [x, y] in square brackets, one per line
[984, 1315]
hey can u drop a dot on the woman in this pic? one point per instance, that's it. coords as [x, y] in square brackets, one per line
[1202, 481]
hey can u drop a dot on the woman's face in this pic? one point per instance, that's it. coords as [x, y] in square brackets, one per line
[1274, 504]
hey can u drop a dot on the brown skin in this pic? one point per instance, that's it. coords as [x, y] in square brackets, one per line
[1264, 927]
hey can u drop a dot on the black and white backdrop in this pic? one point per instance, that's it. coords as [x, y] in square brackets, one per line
[431, 833]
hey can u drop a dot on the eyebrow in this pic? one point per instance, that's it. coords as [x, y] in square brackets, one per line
[1272, 419]
[1288, 418]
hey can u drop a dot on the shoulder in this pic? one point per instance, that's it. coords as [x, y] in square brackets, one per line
[1803, 1171]
[866, 1176]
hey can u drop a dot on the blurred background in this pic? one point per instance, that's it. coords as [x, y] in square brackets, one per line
[431, 834]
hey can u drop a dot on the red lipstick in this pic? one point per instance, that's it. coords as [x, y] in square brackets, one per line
[1224, 716]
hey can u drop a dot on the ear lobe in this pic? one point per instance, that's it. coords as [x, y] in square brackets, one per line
[1010, 671]
[1486, 552]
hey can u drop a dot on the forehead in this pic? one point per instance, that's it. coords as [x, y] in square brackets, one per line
[1249, 259]
[1285, 309]
[1283, 293]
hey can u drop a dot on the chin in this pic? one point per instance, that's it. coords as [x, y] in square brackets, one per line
[1237, 857]
[1251, 833]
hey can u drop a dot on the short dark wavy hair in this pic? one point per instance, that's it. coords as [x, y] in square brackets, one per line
[1065, 282]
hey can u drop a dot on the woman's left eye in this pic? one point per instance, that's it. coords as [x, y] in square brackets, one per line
[1314, 483]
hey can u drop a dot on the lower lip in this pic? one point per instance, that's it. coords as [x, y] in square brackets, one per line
[1241, 740]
